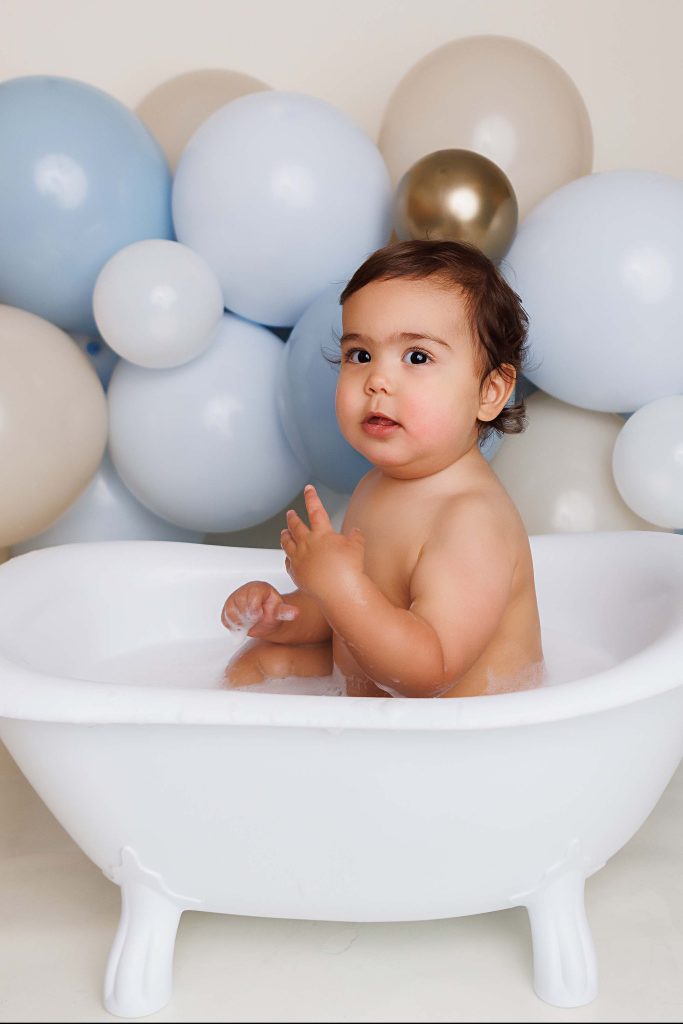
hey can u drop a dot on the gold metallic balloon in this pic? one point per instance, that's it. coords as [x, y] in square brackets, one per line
[460, 195]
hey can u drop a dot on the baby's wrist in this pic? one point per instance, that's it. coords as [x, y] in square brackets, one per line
[343, 589]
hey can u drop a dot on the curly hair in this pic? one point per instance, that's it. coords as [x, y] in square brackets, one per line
[494, 311]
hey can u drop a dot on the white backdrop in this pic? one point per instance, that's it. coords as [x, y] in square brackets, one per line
[623, 55]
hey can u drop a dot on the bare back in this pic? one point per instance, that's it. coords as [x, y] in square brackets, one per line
[396, 521]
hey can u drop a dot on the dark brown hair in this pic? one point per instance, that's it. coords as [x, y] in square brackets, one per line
[497, 319]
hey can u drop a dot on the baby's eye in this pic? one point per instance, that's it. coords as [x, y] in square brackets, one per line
[420, 352]
[352, 351]
[364, 352]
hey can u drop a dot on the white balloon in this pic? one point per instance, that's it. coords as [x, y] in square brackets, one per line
[647, 462]
[282, 194]
[106, 510]
[156, 303]
[202, 444]
[599, 268]
[558, 471]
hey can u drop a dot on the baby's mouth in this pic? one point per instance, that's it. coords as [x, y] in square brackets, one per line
[380, 419]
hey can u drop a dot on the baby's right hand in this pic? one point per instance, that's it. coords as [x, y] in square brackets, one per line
[256, 607]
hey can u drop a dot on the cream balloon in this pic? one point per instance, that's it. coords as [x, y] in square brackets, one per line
[497, 96]
[558, 471]
[53, 423]
[648, 462]
[175, 109]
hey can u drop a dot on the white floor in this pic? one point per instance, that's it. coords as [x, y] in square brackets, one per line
[58, 915]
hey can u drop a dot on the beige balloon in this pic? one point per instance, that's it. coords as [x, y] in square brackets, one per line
[53, 423]
[497, 96]
[558, 471]
[458, 195]
[175, 109]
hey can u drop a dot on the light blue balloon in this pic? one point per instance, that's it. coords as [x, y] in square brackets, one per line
[201, 444]
[282, 194]
[598, 265]
[80, 178]
[523, 389]
[305, 394]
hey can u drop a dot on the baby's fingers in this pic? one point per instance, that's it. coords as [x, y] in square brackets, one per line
[242, 612]
[276, 610]
[287, 612]
[317, 513]
[230, 616]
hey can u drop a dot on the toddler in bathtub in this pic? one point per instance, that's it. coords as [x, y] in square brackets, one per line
[428, 590]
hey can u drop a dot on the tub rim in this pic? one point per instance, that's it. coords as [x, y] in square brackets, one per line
[30, 694]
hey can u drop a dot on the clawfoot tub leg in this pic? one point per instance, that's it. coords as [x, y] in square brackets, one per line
[565, 969]
[138, 980]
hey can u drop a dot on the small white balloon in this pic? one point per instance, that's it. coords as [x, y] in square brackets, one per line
[157, 303]
[647, 462]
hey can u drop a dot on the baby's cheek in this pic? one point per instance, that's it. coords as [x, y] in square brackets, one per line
[429, 423]
[346, 410]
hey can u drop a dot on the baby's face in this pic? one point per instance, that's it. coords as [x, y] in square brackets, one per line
[430, 389]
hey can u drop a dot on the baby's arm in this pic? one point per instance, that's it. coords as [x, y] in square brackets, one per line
[309, 627]
[462, 582]
[459, 591]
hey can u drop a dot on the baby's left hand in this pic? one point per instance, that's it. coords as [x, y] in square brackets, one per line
[316, 557]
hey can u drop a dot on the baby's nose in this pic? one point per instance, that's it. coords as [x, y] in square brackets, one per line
[376, 381]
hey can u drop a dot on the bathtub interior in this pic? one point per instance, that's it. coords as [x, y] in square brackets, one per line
[148, 613]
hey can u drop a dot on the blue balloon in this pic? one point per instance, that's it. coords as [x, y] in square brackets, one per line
[282, 194]
[305, 395]
[80, 178]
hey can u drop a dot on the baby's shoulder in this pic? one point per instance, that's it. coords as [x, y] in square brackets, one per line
[488, 506]
[486, 515]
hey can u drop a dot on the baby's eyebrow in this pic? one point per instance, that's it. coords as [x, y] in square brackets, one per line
[403, 336]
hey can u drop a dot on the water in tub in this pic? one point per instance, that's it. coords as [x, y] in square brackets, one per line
[201, 664]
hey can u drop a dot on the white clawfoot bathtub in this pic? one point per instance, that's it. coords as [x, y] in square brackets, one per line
[190, 796]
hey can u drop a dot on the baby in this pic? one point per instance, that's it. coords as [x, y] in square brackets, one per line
[428, 590]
